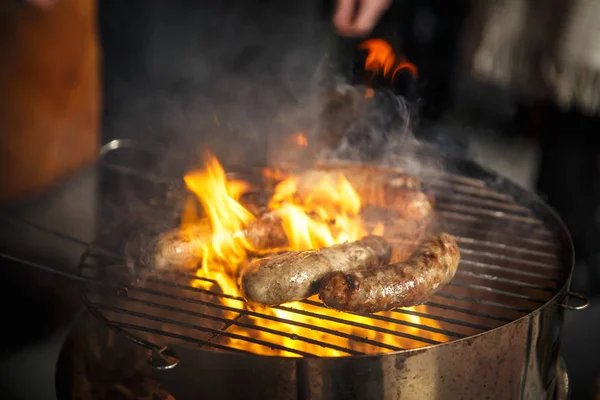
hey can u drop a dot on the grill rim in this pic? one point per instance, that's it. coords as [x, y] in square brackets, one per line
[454, 168]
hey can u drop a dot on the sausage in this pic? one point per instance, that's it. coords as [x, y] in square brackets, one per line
[266, 233]
[177, 249]
[402, 193]
[403, 284]
[407, 196]
[296, 275]
[183, 248]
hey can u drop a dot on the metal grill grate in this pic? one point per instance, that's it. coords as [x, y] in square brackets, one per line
[510, 266]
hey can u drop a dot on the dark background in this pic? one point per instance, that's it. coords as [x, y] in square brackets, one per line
[168, 67]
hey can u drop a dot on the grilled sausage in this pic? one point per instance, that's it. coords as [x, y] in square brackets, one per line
[403, 284]
[176, 250]
[404, 194]
[296, 275]
[266, 233]
[181, 249]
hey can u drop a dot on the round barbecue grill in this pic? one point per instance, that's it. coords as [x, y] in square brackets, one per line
[493, 332]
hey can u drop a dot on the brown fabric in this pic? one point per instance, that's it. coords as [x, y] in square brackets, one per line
[49, 94]
[544, 49]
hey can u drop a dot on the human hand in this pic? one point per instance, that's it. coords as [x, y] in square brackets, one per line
[358, 17]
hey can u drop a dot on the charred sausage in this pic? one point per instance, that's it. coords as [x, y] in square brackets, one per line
[403, 284]
[296, 275]
[182, 248]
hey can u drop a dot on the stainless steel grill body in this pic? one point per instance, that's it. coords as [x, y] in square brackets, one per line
[516, 361]
[501, 317]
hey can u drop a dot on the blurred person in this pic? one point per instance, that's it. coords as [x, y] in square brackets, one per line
[548, 55]
[358, 17]
[51, 102]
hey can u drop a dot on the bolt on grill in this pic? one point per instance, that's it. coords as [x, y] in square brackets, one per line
[509, 267]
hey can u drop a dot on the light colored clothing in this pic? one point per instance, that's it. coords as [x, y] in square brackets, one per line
[539, 48]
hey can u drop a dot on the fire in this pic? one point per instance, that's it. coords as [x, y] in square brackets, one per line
[381, 58]
[300, 140]
[307, 209]
[315, 213]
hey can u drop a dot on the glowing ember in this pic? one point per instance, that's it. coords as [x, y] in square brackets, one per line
[314, 214]
[381, 58]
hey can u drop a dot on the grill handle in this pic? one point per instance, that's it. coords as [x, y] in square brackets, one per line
[565, 304]
[163, 359]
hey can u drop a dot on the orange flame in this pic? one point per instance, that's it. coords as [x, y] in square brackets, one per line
[381, 58]
[300, 140]
[315, 213]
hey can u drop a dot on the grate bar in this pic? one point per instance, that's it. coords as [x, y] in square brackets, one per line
[396, 321]
[311, 314]
[296, 311]
[424, 315]
[493, 266]
[462, 239]
[429, 304]
[263, 316]
[490, 234]
[498, 216]
[464, 250]
[458, 309]
[201, 329]
[481, 301]
[124, 325]
[481, 212]
[483, 202]
[496, 245]
[480, 253]
[421, 327]
[496, 291]
[358, 325]
[478, 264]
[226, 325]
[504, 280]
[284, 308]
[452, 215]
[480, 192]
[234, 321]
[467, 311]
[448, 176]
[452, 321]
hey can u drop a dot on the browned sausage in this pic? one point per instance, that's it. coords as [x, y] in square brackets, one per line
[404, 194]
[296, 275]
[398, 285]
[266, 233]
[182, 249]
